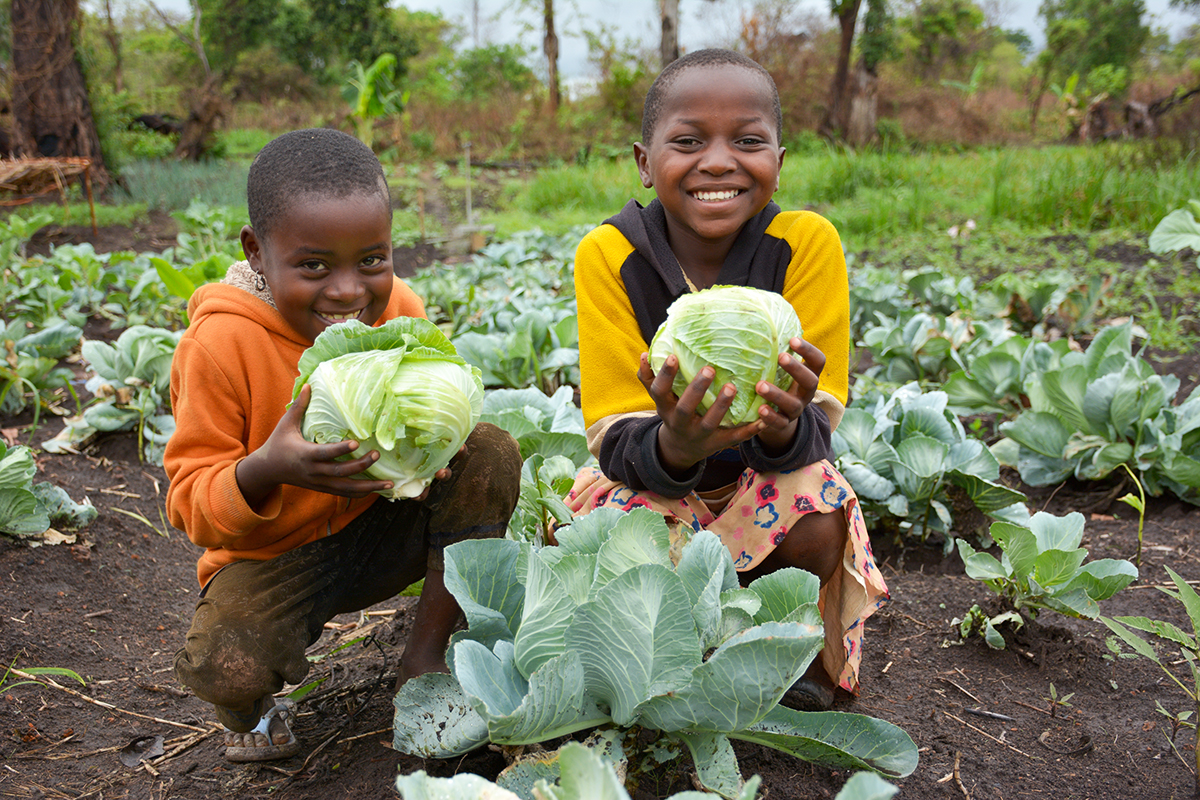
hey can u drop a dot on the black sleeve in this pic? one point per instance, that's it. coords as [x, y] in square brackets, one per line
[811, 444]
[629, 454]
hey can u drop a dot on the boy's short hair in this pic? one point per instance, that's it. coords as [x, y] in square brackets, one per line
[313, 161]
[711, 57]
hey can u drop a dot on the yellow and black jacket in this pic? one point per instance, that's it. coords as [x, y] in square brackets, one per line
[625, 278]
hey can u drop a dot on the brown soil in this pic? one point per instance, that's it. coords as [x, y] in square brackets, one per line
[115, 605]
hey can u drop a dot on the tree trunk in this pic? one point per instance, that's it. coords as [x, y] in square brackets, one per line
[114, 44]
[668, 48]
[550, 46]
[837, 114]
[207, 108]
[51, 113]
[864, 106]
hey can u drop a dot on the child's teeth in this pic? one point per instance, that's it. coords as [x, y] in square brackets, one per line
[726, 195]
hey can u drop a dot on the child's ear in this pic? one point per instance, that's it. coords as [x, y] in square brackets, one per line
[641, 154]
[250, 246]
[779, 169]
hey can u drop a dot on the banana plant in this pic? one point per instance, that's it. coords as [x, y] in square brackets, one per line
[604, 629]
[902, 454]
[372, 93]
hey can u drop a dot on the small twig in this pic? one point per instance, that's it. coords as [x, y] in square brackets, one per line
[914, 619]
[1035, 708]
[964, 691]
[121, 494]
[189, 743]
[993, 738]
[1160, 585]
[291, 773]
[979, 712]
[957, 780]
[51, 683]
[98, 613]
[364, 735]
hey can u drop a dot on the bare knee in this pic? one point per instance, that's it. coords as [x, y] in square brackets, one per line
[815, 543]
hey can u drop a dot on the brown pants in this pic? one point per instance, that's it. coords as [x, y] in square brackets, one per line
[255, 619]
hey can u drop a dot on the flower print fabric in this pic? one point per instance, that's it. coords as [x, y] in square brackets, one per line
[760, 511]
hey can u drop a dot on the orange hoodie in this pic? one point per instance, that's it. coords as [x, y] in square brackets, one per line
[231, 381]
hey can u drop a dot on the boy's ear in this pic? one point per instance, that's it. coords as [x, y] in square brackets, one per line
[251, 248]
[779, 169]
[641, 154]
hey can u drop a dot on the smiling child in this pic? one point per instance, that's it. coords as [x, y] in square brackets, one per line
[710, 149]
[291, 537]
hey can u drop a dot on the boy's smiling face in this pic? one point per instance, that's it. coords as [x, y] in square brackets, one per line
[327, 260]
[714, 156]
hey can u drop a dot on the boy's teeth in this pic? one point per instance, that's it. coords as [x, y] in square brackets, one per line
[728, 194]
[340, 317]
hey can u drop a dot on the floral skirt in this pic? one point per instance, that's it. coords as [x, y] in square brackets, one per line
[751, 518]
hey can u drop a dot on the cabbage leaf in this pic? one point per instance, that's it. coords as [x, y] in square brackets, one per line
[400, 389]
[740, 331]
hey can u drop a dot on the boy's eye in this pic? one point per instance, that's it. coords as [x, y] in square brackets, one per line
[373, 261]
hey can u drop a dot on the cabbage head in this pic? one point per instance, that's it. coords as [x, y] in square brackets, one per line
[401, 389]
[740, 331]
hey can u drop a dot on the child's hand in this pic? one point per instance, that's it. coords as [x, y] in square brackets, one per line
[780, 425]
[686, 437]
[288, 458]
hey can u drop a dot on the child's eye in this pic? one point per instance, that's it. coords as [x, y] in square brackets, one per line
[751, 141]
[311, 266]
[373, 261]
[687, 141]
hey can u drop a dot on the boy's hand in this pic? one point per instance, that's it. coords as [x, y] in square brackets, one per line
[288, 458]
[687, 437]
[780, 421]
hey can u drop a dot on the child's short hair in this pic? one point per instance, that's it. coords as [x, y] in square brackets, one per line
[314, 161]
[711, 57]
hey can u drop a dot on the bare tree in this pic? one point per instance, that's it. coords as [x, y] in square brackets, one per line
[207, 104]
[51, 112]
[114, 44]
[668, 48]
[550, 47]
[837, 113]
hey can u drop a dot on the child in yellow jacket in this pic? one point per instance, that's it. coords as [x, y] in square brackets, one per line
[711, 151]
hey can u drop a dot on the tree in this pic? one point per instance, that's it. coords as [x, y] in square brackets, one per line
[550, 48]
[876, 44]
[51, 112]
[1082, 35]
[837, 112]
[944, 31]
[668, 46]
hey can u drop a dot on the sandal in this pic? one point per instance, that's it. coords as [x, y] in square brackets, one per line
[807, 694]
[273, 738]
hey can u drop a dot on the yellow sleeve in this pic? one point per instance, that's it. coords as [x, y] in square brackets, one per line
[610, 342]
[818, 288]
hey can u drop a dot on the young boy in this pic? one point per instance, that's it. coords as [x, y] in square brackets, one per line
[711, 151]
[291, 538]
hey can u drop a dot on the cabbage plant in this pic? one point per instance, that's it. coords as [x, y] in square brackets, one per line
[400, 389]
[606, 629]
[738, 330]
[908, 457]
[1100, 409]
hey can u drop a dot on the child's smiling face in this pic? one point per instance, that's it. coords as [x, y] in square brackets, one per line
[327, 260]
[714, 156]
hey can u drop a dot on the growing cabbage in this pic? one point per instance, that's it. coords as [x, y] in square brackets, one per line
[400, 389]
[740, 331]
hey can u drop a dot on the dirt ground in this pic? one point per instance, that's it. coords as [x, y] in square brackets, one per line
[115, 605]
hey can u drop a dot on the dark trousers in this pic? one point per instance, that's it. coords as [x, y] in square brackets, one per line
[255, 619]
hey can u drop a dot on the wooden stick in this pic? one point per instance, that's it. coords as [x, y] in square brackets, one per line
[957, 779]
[993, 738]
[49, 682]
[1035, 708]
[364, 735]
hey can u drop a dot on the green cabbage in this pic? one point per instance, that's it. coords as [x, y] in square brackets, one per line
[400, 389]
[740, 331]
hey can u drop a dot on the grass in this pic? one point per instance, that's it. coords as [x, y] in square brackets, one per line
[172, 185]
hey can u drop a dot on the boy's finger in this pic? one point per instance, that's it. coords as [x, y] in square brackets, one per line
[814, 359]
